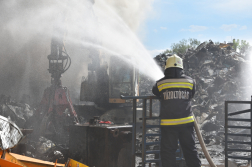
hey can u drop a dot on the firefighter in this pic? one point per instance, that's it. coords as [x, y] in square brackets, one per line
[176, 91]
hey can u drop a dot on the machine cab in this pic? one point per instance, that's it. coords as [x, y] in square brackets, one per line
[107, 82]
[123, 80]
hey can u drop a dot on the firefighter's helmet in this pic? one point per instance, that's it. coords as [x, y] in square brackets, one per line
[174, 61]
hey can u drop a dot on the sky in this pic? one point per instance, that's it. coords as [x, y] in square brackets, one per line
[171, 21]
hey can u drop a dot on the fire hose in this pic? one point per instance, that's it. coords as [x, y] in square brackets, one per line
[202, 143]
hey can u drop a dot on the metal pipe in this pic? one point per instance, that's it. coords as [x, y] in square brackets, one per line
[250, 127]
[150, 107]
[134, 135]
[226, 133]
[143, 132]
[241, 102]
[139, 97]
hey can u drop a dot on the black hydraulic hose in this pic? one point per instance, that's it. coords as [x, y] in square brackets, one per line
[70, 62]
[202, 143]
[66, 63]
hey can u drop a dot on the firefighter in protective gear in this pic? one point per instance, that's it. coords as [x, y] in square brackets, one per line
[175, 91]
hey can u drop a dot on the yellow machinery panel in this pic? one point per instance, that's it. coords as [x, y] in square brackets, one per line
[114, 100]
[73, 163]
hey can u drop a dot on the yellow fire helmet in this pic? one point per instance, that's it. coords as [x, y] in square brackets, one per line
[174, 61]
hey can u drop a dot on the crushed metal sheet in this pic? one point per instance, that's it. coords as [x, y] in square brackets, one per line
[10, 134]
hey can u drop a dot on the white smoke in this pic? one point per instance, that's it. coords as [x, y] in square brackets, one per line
[134, 13]
[28, 26]
[246, 77]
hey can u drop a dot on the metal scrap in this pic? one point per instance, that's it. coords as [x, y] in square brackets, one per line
[10, 134]
[19, 113]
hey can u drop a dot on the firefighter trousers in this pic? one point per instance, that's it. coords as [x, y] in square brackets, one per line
[169, 145]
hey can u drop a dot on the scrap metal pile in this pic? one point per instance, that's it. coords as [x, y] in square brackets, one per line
[17, 112]
[218, 71]
[15, 115]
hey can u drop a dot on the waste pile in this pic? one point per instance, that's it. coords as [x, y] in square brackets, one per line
[218, 71]
[17, 117]
[43, 149]
[17, 112]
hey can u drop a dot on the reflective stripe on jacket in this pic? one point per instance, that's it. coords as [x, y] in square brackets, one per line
[175, 83]
[175, 99]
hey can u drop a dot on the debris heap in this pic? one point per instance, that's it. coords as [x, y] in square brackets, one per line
[18, 112]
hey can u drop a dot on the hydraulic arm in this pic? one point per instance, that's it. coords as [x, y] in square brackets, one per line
[56, 106]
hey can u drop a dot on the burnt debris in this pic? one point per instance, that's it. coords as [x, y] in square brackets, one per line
[17, 112]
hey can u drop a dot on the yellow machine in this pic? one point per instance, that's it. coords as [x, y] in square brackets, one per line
[104, 85]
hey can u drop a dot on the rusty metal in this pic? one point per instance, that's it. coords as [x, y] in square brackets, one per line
[5, 163]
[222, 45]
[8, 157]
[26, 131]
[116, 100]
[55, 163]
[99, 146]
[115, 132]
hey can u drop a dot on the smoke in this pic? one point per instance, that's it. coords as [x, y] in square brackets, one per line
[28, 26]
[23, 49]
[134, 13]
[246, 79]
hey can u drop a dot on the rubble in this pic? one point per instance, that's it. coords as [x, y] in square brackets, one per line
[19, 113]
[16, 117]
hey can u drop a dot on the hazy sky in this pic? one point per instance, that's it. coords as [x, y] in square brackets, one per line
[172, 21]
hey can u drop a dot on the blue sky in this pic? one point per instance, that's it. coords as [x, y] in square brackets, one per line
[173, 20]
